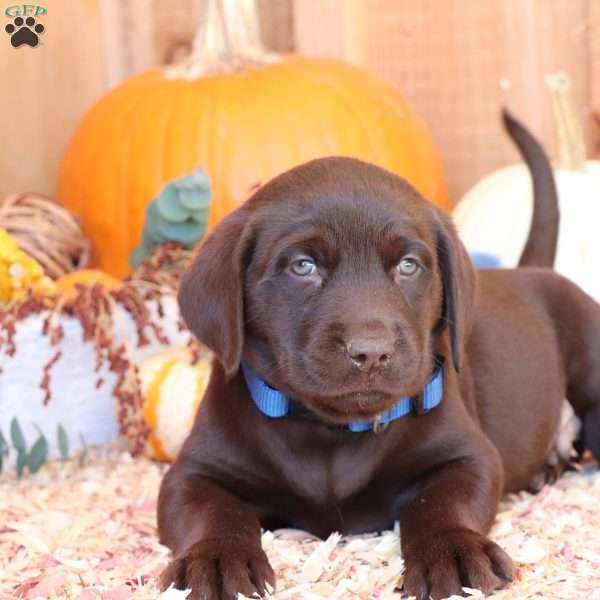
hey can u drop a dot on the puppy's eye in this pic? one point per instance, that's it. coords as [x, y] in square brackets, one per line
[408, 266]
[303, 267]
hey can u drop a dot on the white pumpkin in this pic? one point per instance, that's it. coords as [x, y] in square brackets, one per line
[495, 215]
[86, 412]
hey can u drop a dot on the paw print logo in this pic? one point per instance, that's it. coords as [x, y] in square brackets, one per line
[24, 31]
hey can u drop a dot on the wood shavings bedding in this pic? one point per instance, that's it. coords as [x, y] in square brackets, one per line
[88, 533]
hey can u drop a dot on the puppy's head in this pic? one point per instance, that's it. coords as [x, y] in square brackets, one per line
[336, 282]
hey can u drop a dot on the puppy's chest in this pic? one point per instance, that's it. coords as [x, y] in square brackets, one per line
[328, 476]
[324, 489]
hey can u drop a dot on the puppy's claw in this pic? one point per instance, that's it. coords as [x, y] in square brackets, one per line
[262, 576]
[415, 583]
[501, 562]
[442, 564]
[220, 569]
[445, 579]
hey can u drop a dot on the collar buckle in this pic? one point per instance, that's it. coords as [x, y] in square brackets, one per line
[378, 426]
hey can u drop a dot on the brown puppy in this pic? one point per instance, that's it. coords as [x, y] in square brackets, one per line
[340, 287]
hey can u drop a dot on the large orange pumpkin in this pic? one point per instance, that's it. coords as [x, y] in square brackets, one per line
[242, 125]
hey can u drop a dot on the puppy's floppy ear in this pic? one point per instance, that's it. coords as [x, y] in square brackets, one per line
[459, 286]
[211, 291]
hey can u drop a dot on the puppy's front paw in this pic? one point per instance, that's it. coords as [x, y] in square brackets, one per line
[218, 569]
[443, 563]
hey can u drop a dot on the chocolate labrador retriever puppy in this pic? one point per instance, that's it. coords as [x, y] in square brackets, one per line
[365, 373]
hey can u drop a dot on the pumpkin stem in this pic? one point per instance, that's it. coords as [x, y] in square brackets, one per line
[227, 39]
[571, 145]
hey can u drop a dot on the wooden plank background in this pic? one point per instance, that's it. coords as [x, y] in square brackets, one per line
[457, 62]
[46, 90]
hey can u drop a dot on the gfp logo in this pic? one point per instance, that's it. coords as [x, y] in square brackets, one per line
[24, 28]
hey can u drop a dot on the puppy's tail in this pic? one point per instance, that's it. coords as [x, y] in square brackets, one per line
[540, 248]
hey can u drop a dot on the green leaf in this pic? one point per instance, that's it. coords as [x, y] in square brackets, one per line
[201, 217]
[170, 207]
[16, 435]
[151, 231]
[137, 256]
[37, 455]
[188, 233]
[21, 462]
[63, 443]
[180, 213]
[195, 200]
[198, 181]
[4, 447]
[148, 241]
[83, 454]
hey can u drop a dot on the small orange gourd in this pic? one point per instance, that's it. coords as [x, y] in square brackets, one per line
[67, 284]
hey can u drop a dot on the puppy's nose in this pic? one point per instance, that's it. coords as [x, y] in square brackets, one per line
[369, 353]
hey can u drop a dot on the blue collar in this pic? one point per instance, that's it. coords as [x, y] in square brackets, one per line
[274, 404]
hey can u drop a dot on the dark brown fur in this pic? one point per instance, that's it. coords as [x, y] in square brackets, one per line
[515, 344]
